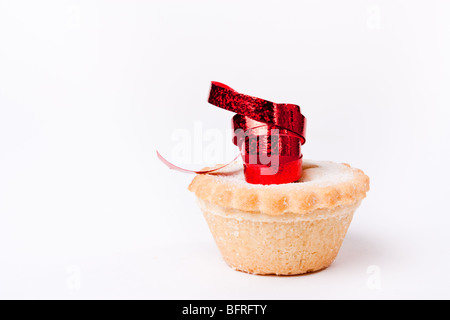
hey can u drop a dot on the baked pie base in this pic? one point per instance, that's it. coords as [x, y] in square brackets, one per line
[282, 239]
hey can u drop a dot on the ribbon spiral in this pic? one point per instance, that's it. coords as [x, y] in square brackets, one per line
[269, 135]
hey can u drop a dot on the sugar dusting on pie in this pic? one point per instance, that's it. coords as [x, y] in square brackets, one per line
[324, 185]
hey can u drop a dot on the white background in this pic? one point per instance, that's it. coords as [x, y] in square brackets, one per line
[90, 89]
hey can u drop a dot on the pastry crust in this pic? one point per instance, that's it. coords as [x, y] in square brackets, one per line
[286, 244]
[324, 185]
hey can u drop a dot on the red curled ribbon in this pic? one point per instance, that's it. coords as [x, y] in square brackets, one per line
[268, 134]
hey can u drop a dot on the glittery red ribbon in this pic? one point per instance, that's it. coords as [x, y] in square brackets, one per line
[268, 134]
